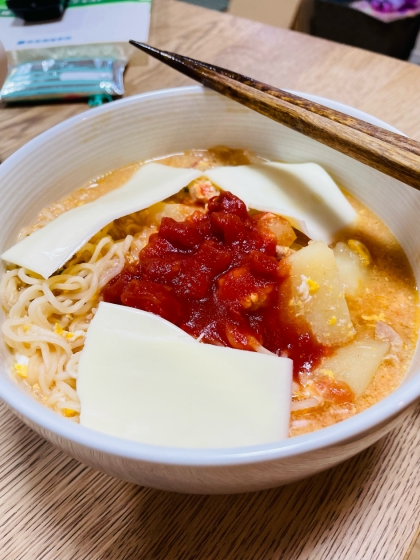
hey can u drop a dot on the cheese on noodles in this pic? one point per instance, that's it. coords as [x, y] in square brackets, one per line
[47, 319]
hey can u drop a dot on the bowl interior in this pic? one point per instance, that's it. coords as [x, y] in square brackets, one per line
[171, 121]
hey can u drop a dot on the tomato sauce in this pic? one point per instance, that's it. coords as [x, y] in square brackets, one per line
[216, 276]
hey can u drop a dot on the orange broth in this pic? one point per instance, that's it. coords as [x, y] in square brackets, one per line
[389, 293]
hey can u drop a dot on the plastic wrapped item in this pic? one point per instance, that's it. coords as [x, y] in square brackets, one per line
[88, 28]
[79, 55]
[388, 10]
[3, 65]
[64, 79]
[392, 6]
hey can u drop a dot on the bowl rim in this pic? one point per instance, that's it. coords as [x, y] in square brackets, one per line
[47, 421]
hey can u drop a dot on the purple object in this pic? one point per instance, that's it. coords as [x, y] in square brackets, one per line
[387, 6]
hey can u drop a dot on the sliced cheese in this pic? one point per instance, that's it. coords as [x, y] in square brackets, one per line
[303, 193]
[141, 378]
[47, 249]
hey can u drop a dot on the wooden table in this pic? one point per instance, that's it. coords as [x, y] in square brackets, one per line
[52, 507]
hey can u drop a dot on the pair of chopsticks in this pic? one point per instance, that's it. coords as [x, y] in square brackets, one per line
[393, 154]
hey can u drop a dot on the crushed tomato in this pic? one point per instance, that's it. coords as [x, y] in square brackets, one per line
[216, 276]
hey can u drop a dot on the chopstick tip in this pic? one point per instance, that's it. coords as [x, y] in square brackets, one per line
[143, 46]
[137, 43]
[163, 56]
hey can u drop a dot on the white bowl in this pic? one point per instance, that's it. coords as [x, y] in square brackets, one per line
[160, 123]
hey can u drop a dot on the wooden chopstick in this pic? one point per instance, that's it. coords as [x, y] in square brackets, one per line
[390, 153]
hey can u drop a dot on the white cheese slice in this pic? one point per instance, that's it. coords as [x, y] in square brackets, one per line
[47, 249]
[299, 192]
[141, 378]
[303, 193]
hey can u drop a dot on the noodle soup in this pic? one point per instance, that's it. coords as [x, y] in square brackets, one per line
[47, 319]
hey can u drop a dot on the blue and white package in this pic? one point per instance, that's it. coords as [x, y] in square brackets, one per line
[63, 79]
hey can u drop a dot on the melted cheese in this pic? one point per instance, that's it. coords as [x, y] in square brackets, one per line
[301, 192]
[141, 378]
[47, 249]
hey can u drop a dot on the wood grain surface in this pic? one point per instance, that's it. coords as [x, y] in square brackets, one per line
[53, 508]
[415, 553]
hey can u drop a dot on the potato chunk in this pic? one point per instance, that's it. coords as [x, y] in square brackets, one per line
[351, 268]
[317, 294]
[356, 363]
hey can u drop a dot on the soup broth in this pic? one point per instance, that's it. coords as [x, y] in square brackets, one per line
[388, 295]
